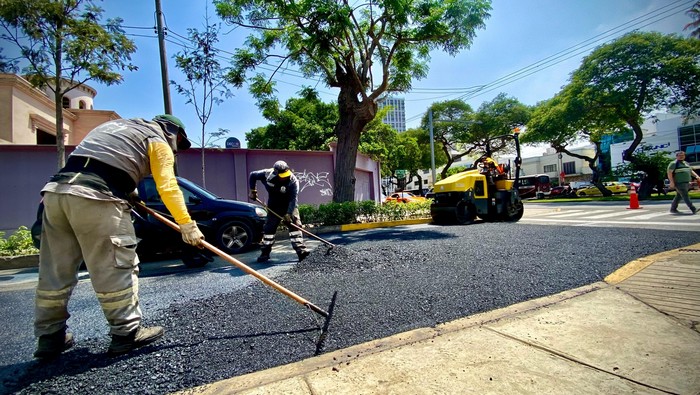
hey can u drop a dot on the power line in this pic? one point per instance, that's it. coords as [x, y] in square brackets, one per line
[573, 51]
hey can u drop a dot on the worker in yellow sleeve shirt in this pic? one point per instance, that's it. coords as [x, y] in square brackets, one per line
[87, 218]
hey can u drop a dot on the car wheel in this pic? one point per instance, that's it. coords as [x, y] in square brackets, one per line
[195, 258]
[582, 193]
[234, 237]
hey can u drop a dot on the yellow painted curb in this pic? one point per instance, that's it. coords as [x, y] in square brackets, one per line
[371, 225]
[640, 264]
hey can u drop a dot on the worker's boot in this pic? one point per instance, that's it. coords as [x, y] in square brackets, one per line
[264, 256]
[52, 345]
[303, 254]
[122, 344]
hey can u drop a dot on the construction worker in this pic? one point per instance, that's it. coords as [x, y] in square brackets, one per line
[282, 188]
[492, 170]
[87, 218]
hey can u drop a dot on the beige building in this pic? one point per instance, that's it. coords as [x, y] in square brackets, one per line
[28, 115]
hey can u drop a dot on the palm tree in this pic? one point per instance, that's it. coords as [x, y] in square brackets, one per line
[694, 26]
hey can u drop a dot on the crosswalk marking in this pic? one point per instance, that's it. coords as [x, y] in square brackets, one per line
[654, 216]
[679, 223]
[608, 215]
[573, 213]
[646, 216]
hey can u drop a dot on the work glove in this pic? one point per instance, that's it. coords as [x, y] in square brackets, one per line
[287, 219]
[253, 194]
[191, 234]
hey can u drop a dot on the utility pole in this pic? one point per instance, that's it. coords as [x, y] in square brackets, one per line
[163, 59]
[432, 145]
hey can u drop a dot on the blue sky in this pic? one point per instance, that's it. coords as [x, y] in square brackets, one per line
[527, 50]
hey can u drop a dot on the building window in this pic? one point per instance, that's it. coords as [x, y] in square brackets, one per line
[66, 102]
[689, 141]
[550, 168]
[81, 105]
[569, 167]
[44, 138]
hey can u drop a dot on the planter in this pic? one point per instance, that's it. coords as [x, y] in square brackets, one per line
[19, 262]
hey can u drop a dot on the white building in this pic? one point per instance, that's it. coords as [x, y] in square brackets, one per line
[667, 132]
[396, 117]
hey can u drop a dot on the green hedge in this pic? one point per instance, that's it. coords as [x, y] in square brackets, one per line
[361, 212]
[19, 243]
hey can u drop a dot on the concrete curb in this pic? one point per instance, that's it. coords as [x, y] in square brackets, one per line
[19, 262]
[637, 265]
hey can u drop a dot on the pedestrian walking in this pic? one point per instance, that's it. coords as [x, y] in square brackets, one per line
[282, 187]
[679, 175]
[87, 218]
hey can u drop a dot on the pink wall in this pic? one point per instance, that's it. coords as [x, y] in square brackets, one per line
[24, 169]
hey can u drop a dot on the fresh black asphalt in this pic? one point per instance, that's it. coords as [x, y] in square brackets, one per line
[387, 281]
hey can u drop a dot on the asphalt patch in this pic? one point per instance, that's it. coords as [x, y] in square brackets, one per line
[345, 259]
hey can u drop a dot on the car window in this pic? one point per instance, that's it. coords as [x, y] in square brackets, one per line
[149, 187]
[152, 195]
[186, 193]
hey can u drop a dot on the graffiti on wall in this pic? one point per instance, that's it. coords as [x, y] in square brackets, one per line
[319, 180]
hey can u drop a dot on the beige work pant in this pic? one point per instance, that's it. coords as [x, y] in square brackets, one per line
[101, 234]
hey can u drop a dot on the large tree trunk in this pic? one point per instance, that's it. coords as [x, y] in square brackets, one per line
[645, 188]
[354, 116]
[60, 146]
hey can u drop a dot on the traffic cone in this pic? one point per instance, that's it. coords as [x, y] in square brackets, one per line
[634, 200]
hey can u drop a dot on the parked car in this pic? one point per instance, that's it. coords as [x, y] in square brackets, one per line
[230, 225]
[612, 186]
[561, 191]
[403, 197]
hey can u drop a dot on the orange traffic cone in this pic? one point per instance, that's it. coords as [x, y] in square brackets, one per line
[634, 200]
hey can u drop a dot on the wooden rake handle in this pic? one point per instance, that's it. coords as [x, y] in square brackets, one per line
[328, 243]
[241, 265]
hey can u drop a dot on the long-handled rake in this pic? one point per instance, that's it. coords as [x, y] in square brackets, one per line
[326, 242]
[244, 267]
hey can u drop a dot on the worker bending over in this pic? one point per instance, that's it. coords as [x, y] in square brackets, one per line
[283, 189]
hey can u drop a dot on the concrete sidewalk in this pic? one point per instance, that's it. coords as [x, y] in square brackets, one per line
[636, 332]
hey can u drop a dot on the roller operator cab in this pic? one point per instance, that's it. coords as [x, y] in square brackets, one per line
[484, 191]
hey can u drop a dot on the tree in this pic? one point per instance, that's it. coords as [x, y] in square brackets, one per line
[636, 74]
[348, 45]
[654, 163]
[306, 123]
[206, 84]
[65, 45]
[694, 26]
[462, 132]
[564, 120]
[451, 121]
[378, 139]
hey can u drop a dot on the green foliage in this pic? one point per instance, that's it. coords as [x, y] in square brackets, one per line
[306, 123]
[636, 74]
[19, 243]
[361, 212]
[65, 44]
[457, 127]
[363, 49]
[653, 165]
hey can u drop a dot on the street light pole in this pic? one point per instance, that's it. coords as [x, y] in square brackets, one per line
[432, 145]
